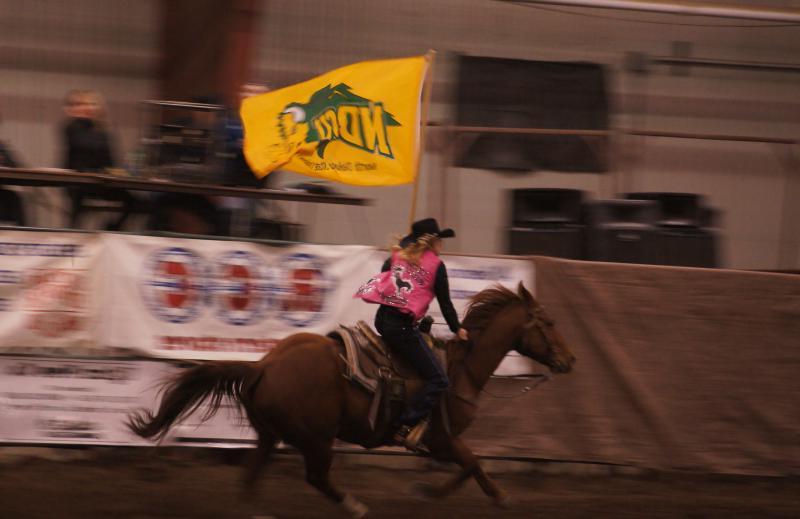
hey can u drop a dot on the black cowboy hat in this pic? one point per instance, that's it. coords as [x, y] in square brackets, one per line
[423, 227]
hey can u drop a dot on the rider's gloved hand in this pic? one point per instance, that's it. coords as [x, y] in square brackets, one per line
[425, 324]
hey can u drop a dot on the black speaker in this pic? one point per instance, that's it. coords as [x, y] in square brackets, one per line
[559, 240]
[677, 209]
[625, 212]
[684, 236]
[536, 206]
[621, 230]
[686, 247]
[709, 217]
[499, 151]
[510, 93]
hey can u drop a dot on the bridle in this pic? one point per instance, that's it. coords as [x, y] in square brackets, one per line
[537, 378]
[537, 322]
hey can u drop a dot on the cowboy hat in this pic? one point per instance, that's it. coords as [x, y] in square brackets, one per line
[423, 227]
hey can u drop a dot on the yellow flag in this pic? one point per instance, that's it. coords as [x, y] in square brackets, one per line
[358, 124]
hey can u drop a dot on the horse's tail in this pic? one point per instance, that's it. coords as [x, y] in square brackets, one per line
[184, 392]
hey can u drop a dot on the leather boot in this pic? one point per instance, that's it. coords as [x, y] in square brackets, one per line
[411, 438]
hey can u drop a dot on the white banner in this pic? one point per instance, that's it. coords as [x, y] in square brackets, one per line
[87, 401]
[206, 299]
[470, 275]
[49, 294]
[198, 299]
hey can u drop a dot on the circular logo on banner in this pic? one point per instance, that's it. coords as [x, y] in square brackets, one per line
[174, 284]
[301, 287]
[239, 288]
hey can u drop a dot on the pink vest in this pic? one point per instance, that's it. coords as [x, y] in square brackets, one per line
[404, 286]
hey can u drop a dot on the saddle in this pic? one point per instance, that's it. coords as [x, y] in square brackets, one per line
[369, 364]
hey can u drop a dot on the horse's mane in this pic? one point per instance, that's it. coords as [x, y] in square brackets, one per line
[485, 305]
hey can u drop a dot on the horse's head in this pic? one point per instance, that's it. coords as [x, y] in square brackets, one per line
[540, 340]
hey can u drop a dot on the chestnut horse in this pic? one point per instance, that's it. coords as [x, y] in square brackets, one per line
[297, 393]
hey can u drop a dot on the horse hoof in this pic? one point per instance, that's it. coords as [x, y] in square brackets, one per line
[503, 501]
[354, 507]
[423, 490]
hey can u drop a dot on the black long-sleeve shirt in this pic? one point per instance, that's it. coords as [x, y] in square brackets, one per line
[87, 146]
[441, 288]
[7, 159]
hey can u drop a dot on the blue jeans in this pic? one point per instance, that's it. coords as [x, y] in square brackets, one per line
[398, 329]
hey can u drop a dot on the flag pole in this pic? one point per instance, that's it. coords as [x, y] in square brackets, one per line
[426, 101]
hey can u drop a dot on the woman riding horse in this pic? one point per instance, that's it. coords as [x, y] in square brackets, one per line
[410, 279]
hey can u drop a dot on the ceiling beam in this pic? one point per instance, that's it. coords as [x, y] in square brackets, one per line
[678, 8]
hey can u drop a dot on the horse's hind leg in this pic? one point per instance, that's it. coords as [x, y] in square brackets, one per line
[258, 460]
[318, 458]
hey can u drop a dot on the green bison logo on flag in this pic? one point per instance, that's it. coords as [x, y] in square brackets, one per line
[336, 113]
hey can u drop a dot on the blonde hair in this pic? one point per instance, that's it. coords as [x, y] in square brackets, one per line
[414, 251]
[76, 97]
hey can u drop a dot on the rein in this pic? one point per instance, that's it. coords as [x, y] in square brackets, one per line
[540, 378]
[534, 379]
[537, 379]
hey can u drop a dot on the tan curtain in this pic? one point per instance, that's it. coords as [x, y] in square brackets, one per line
[677, 368]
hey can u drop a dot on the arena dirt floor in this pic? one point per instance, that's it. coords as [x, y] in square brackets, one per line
[193, 483]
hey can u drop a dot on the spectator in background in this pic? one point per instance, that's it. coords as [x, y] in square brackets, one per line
[11, 210]
[198, 214]
[87, 148]
[7, 158]
[184, 212]
[242, 212]
[237, 171]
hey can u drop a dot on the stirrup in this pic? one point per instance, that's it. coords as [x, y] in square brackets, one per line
[400, 436]
[411, 438]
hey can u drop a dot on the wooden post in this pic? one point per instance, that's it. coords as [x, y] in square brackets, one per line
[426, 101]
[214, 60]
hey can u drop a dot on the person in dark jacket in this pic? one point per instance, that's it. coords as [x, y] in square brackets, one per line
[11, 209]
[237, 171]
[409, 281]
[7, 157]
[87, 148]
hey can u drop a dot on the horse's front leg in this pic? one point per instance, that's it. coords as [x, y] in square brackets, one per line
[470, 467]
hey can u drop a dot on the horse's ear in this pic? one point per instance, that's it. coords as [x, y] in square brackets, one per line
[525, 295]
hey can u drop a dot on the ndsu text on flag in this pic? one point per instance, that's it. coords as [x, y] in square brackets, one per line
[358, 124]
